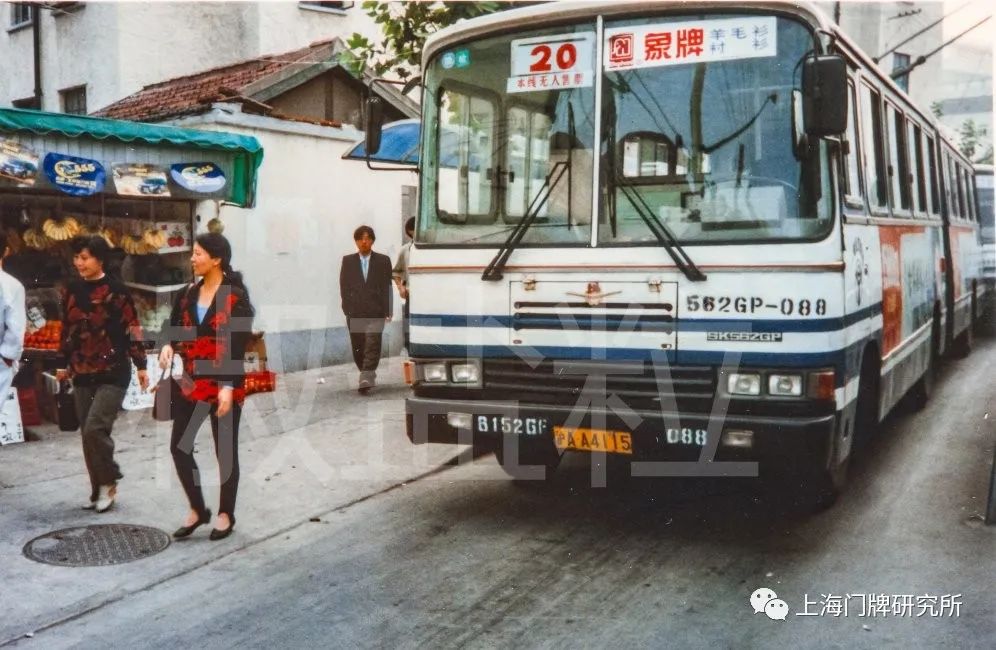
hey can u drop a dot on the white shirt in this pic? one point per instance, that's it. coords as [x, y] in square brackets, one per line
[12, 325]
[13, 321]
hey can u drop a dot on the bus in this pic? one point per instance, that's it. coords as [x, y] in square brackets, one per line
[987, 226]
[705, 238]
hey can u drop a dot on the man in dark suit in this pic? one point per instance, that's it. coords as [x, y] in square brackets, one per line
[365, 287]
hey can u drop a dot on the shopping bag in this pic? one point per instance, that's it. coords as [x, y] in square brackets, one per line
[167, 391]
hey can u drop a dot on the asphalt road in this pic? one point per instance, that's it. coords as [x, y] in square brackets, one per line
[464, 558]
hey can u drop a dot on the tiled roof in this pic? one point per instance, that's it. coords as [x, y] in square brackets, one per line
[193, 93]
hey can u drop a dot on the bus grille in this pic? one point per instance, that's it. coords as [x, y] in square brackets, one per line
[570, 382]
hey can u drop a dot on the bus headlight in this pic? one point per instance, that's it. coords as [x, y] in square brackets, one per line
[739, 383]
[433, 373]
[783, 385]
[465, 373]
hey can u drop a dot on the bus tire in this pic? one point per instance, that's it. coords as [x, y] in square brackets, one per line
[537, 460]
[962, 346]
[963, 343]
[920, 393]
[866, 409]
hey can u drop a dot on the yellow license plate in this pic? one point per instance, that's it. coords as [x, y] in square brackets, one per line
[612, 442]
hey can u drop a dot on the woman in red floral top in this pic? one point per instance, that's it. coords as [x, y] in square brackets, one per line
[101, 338]
[209, 328]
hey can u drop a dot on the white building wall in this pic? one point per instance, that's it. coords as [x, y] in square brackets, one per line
[117, 48]
[290, 246]
[283, 26]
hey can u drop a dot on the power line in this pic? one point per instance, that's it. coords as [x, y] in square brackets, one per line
[895, 47]
[920, 60]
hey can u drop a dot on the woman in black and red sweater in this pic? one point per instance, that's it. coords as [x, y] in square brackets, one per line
[101, 338]
[209, 328]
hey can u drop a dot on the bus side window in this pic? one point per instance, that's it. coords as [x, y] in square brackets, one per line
[935, 199]
[852, 165]
[915, 145]
[957, 199]
[967, 185]
[874, 154]
[898, 169]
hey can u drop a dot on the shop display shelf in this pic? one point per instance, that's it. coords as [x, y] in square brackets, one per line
[40, 352]
[174, 249]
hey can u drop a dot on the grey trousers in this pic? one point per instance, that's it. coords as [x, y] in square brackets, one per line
[97, 407]
[365, 336]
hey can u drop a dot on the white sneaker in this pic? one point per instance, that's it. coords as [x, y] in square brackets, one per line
[105, 497]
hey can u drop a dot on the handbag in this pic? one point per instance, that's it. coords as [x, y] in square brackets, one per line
[167, 390]
[65, 407]
[258, 378]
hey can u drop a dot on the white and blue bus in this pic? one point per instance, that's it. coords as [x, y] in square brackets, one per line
[700, 233]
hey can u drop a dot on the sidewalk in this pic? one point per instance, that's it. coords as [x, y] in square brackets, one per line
[312, 447]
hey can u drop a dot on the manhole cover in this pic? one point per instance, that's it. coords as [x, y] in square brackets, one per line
[97, 545]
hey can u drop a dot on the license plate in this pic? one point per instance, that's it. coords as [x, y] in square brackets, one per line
[612, 442]
[527, 426]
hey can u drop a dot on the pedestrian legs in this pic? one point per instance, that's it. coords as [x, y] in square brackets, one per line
[97, 407]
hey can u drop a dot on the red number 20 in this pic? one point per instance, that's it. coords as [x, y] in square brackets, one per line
[567, 56]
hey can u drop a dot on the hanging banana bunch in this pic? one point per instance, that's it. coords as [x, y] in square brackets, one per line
[33, 238]
[61, 229]
[154, 239]
[111, 236]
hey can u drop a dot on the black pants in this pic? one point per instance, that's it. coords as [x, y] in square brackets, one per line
[365, 336]
[187, 420]
[97, 407]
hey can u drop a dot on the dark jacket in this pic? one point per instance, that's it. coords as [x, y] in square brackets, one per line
[101, 335]
[366, 299]
[213, 350]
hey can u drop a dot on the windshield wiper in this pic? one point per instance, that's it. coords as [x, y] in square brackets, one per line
[662, 233]
[494, 269]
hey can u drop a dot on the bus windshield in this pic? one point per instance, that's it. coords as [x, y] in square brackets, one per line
[491, 147]
[707, 146]
[710, 148]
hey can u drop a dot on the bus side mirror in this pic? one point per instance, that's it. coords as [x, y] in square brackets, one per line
[375, 123]
[824, 95]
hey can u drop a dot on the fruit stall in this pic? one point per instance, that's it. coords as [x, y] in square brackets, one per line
[139, 186]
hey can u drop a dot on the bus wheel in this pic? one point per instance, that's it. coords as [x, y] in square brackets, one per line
[536, 462]
[825, 482]
[823, 486]
[963, 343]
[920, 393]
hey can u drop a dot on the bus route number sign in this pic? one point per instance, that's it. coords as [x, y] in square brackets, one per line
[552, 62]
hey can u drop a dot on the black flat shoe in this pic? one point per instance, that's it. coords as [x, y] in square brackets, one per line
[186, 531]
[222, 534]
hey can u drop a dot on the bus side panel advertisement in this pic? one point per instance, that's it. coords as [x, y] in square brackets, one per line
[907, 282]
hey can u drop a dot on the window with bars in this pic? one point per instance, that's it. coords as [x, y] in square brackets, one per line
[327, 6]
[901, 62]
[21, 13]
[74, 100]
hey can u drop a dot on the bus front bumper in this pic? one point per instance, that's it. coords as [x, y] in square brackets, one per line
[653, 434]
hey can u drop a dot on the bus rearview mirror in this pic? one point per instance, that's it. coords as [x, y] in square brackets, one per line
[375, 123]
[824, 92]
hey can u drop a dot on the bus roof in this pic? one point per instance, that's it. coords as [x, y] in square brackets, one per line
[552, 13]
